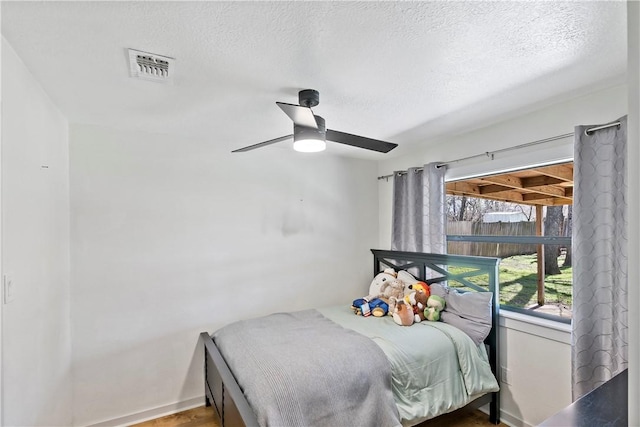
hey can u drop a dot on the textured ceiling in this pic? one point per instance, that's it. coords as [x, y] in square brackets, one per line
[406, 72]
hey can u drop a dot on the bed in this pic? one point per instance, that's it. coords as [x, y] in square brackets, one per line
[380, 378]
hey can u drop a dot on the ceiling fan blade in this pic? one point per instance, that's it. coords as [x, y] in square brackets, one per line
[302, 116]
[360, 141]
[262, 144]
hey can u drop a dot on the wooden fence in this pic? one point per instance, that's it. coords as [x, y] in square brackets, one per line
[500, 250]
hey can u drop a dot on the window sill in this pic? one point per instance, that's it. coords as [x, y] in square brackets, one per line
[544, 328]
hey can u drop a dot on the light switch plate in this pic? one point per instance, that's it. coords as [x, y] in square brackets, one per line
[8, 288]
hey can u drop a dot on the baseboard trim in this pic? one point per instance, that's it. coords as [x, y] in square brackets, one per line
[151, 414]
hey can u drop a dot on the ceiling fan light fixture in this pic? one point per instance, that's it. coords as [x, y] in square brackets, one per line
[309, 145]
[309, 140]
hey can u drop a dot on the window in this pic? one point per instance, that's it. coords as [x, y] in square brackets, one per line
[523, 218]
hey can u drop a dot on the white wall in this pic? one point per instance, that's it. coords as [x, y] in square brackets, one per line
[536, 362]
[171, 237]
[538, 358]
[35, 252]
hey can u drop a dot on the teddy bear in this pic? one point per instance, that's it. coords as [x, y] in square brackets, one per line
[391, 291]
[435, 304]
[387, 287]
[418, 302]
[403, 314]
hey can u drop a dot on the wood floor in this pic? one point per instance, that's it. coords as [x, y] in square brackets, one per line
[203, 416]
[198, 417]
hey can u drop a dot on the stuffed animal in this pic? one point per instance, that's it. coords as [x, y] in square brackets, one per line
[375, 307]
[435, 305]
[380, 279]
[408, 280]
[403, 315]
[357, 306]
[378, 307]
[391, 292]
[420, 286]
[386, 287]
[414, 287]
[390, 271]
[418, 302]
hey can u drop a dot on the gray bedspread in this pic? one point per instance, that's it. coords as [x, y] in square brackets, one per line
[289, 373]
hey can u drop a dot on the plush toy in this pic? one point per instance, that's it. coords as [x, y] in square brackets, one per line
[357, 306]
[420, 286]
[415, 287]
[390, 271]
[386, 287]
[391, 292]
[403, 315]
[378, 307]
[408, 280]
[380, 279]
[375, 307]
[435, 305]
[418, 302]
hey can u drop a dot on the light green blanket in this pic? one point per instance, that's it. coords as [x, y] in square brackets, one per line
[436, 368]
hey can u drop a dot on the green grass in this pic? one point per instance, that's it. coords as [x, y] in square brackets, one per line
[518, 282]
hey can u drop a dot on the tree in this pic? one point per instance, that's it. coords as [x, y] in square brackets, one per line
[527, 211]
[552, 227]
[463, 208]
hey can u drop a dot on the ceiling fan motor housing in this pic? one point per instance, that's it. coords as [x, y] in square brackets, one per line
[309, 98]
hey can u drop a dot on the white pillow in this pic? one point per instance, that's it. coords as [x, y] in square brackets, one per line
[468, 311]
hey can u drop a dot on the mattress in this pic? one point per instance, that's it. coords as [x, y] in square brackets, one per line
[436, 368]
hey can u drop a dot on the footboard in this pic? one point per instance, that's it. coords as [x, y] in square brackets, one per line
[222, 391]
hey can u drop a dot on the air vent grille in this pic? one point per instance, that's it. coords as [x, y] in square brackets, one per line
[149, 66]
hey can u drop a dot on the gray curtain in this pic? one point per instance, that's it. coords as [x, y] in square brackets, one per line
[419, 215]
[599, 336]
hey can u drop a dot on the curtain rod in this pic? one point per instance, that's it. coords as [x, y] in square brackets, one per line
[490, 154]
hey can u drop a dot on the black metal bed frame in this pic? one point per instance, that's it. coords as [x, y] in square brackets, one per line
[225, 395]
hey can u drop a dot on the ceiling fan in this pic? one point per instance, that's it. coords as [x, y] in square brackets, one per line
[310, 133]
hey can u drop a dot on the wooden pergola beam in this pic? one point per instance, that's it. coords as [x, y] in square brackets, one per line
[464, 188]
[505, 196]
[493, 188]
[552, 186]
[504, 180]
[501, 183]
[549, 190]
[563, 172]
[539, 181]
[544, 199]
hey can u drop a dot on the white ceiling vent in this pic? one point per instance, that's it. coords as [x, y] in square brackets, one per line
[149, 66]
